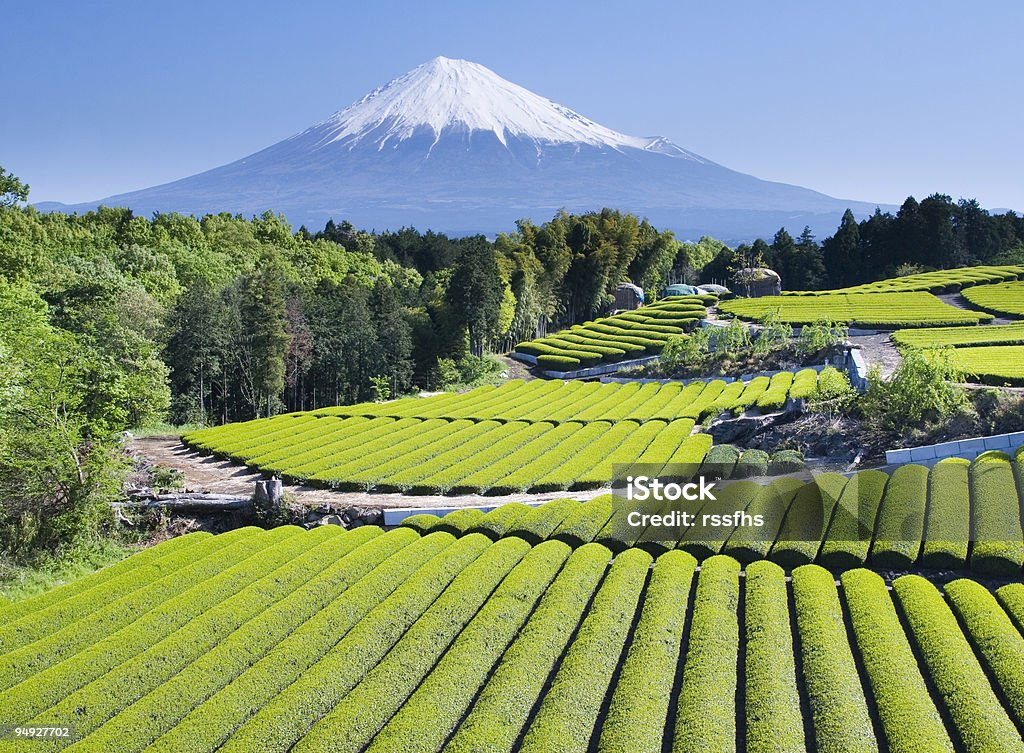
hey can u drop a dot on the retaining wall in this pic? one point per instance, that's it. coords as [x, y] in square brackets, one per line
[961, 448]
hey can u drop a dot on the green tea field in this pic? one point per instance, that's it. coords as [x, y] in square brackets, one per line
[540, 436]
[956, 515]
[332, 640]
[631, 334]
[1006, 299]
[870, 310]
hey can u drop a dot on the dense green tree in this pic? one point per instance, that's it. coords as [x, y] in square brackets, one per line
[393, 338]
[57, 467]
[261, 339]
[474, 294]
[841, 253]
[12, 190]
[196, 353]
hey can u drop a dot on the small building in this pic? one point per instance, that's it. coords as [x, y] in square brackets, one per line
[757, 282]
[680, 289]
[628, 296]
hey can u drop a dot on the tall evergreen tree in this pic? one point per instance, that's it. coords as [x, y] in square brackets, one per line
[474, 294]
[264, 336]
[841, 252]
[393, 337]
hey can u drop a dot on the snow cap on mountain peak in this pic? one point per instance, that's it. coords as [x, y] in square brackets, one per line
[446, 93]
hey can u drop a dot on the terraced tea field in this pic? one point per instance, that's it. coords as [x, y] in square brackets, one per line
[346, 641]
[1006, 299]
[631, 334]
[993, 364]
[869, 310]
[960, 337]
[941, 281]
[540, 435]
[957, 515]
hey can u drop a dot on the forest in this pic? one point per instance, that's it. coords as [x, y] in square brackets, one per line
[111, 321]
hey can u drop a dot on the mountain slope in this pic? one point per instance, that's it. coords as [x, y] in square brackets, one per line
[454, 147]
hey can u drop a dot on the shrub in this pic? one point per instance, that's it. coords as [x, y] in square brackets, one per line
[994, 636]
[569, 712]
[822, 335]
[853, 524]
[733, 337]
[496, 719]
[635, 721]
[450, 592]
[833, 395]
[998, 547]
[226, 679]
[959, 680]
[785, 461]
[900, 528]
[908, 715]
[838, 705]
[948, 530]
[706, 718]
[920, 392]
[774, 720]
[774, 335]
[559, 363]
[446, 654]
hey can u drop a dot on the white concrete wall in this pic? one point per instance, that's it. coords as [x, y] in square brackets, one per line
[961, 448]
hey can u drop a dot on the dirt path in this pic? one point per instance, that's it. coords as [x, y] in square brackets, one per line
[957, 300]
[518, 369]
[204, 473]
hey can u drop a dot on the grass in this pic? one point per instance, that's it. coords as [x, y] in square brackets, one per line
[22, 581]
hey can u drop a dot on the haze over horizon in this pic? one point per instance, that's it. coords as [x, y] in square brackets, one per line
[862, 102]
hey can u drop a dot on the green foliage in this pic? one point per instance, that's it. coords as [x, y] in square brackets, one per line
[706, 719]
[948, 529]
[998, 541]
[821, 335]
[639, 703]
[900, 527]
[774, 333]
[997, 364]
[650, 329]
[420, 724]
[833, 395]
[922, 391]
[12, 190]
[222, 682]
[687, 350]
[1003, 299]
[995, 637]
[62, 402]
[733, 337]
[381, 386]
[364, 640]
[909, 718]
[850, 533]
[872, 310]
[569, 712]
[774, 721]
[958, 337]
[205, 613]
[838, 706]
[958, 678]
[500, 713]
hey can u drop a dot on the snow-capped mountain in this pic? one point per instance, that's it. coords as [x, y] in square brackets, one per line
[454, 147]
[445, 94]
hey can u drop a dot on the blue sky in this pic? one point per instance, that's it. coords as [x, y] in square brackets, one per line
[867, 100]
